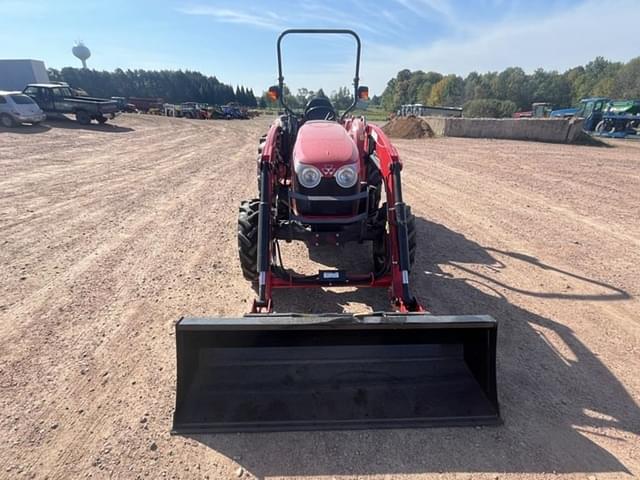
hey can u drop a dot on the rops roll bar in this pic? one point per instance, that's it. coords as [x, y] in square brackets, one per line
[313, 31]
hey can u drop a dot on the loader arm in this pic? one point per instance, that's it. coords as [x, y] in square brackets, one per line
[266, 182]
[386, 157]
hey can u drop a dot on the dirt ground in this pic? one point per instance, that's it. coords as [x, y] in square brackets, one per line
[109, 234]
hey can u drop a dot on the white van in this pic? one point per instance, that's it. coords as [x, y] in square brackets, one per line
[17, 108]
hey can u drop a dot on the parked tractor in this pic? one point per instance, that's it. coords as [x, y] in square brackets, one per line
[192, 110]
[605, 117]
[619, 118]
[235, 112]
[326, 178]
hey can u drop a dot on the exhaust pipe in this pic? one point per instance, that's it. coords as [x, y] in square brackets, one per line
[280, 372]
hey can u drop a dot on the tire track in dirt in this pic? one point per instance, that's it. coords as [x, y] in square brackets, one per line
[565, 268]
[126, 262]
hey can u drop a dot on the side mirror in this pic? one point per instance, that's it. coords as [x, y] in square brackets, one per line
[363, 93]
[273, 93]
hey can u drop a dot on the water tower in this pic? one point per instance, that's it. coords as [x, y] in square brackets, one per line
[82, 52]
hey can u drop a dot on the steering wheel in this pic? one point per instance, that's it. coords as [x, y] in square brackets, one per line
[331, 115]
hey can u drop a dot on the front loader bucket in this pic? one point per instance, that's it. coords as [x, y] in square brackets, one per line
[285, 372]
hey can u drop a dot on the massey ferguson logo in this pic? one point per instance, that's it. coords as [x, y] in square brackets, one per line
[328, 170]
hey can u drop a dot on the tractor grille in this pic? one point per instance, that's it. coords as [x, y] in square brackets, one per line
[328, 187]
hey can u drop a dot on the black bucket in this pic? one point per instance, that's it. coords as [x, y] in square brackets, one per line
[286, 372]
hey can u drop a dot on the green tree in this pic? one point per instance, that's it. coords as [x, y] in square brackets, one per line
[386, 99]
[172, 86]
[342, 98]
[626, 83]
[489, 108]
[448, 92]
[513, 84]
[599, 77]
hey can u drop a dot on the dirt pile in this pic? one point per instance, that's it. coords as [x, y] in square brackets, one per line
[583, 138]
[407, 127]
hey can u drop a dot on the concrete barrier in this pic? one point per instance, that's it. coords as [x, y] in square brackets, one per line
[438, 125]
[536, 129]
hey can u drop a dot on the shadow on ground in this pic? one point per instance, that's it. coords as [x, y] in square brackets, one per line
[26, 129]
[548, 399]
[67, 123]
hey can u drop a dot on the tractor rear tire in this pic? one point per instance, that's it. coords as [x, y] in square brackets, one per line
[248, 238]
[380, 246]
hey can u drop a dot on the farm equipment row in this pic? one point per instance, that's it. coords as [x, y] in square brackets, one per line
[192, 110]
[605, 117]
[60, 99]
[204, 111]
[600, 116]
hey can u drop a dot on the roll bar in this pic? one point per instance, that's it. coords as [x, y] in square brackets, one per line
[313, 31]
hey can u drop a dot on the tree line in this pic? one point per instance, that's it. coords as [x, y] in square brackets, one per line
[501, 94]
[174, 86]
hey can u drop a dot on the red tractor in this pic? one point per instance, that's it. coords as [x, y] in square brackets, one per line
[327, 179]
[323, 177]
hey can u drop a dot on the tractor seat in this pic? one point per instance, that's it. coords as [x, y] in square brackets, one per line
[319, 108]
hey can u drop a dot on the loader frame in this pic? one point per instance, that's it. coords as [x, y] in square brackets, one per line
[385, 156]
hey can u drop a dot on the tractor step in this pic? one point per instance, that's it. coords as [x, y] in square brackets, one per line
[281, 372]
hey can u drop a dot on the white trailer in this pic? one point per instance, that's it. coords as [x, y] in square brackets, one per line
[17, 74]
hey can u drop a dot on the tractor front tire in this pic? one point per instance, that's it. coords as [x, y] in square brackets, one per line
[248, 238]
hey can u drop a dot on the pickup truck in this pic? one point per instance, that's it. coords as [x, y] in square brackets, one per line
[56, 98]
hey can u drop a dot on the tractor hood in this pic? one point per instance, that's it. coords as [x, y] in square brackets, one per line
[325, 145]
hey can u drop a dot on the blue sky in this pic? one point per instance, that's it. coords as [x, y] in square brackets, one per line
[235, 39]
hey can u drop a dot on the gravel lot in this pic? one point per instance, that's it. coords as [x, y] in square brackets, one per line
[109, 233]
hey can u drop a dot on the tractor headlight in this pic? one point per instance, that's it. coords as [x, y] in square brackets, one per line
[347, 176]
[309, 177]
